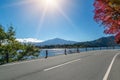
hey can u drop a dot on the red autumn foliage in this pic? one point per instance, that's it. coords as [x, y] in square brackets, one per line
[108, 14]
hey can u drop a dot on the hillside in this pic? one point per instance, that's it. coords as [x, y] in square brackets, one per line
[101, 42]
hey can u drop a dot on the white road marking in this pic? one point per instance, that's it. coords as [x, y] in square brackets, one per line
[61, 65]
[110, 66]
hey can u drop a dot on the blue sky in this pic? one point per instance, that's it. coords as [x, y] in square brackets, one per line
[70, 20]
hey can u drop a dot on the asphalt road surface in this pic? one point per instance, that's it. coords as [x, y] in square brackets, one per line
[91, 65]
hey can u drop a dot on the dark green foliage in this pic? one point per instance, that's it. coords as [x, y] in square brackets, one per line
[26, 51]
[2, 35]
[11, 50]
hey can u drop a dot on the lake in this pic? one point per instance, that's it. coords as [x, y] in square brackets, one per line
[57, 51]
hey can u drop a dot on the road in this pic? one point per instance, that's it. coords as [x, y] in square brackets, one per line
[91, 65]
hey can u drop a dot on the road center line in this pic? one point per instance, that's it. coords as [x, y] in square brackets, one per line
[109, 68]
[61, 65]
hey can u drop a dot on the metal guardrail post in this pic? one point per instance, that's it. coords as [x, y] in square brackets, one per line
[86, 49]
[46, 56]
[65, 52]
[106, 47]
[113, 47]
[78, 50]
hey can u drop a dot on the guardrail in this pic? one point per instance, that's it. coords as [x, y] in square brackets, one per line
[53, 52]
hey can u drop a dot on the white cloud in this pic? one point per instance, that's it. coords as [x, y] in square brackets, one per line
[29, 40]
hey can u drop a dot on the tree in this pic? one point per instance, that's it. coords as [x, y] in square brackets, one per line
[12, 50]
[107, 12]
[2, 35]
[28, 51]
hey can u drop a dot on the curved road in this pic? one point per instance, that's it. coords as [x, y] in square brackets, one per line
[82, 66]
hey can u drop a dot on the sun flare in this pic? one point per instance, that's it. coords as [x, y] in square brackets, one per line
[42, 8]
[51, 3]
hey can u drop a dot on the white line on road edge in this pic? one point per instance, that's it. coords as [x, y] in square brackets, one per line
[61, 65]
[110, 66]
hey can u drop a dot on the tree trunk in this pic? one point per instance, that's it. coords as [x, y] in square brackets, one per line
[7, 57]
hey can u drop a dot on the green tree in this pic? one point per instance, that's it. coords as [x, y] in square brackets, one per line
[2, 35]
[12, 50]
[28, 50]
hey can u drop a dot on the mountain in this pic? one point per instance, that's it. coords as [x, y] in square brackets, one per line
[56, 41]
[101, 42]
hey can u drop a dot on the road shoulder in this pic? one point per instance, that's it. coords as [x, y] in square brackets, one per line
[115, 71]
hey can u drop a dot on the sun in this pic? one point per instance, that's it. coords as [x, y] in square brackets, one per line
[51, 3]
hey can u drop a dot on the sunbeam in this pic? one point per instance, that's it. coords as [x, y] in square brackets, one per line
[42, 7]
[51, 2]
[65, 16]
[41, 21]
[18, 3]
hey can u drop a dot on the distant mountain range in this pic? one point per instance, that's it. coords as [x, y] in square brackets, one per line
[56, 41]
[101, 42]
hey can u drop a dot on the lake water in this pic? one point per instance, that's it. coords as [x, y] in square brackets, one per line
[55, 52]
